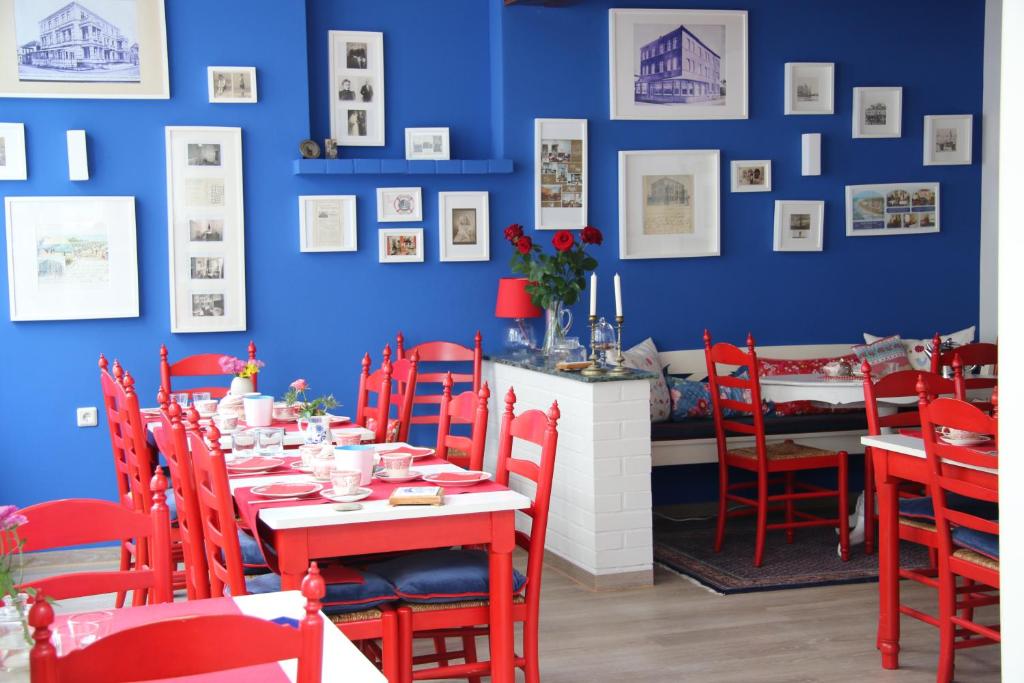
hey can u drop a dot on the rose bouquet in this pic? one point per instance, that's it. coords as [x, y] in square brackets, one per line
[554, 278]
[296, 394]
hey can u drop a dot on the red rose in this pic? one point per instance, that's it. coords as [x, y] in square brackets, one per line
[513, 232]
[563, 240]
[524, 244]
[591, 235]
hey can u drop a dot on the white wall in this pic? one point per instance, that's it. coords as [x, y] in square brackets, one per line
[988, 327]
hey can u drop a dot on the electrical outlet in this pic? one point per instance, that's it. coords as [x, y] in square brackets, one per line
[87, 417]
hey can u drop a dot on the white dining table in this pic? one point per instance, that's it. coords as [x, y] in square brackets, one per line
[292, 438]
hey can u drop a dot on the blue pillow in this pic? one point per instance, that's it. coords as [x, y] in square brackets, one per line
[340, 597]
[252, 557]
[921, 508]
[978, 541]
[438, 576]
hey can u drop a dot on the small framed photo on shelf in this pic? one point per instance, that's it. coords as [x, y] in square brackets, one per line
[877, 112]
[327, 223]
[809, 88]
[799, 225]
[464, 226]
[399, 204]
[12, 152]
[892, 209]
[400, 245]
[751, 176]
[947, 140]
[427, 143]
[356, 75]
[560, 174]
[232, 84]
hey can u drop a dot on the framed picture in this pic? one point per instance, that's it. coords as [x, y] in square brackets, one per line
[810, 87]
[71, 258]
[399, 204]
[799, 225]
[231, 84]
[464, 223]
[12, 152]
[327, 223]
[96, 49]
[205, 228]
[751, 176]
[560, 174]
[357, 88]
[677, 64]
[401, 245]
[668, 203]
[427, 143]
[947, 140]
[893, 209]
[877, 112]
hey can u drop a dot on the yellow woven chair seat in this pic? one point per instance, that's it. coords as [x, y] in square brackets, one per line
[922, 524]
[783, 450]
[351, 617]
[976, 558]
[435, 606]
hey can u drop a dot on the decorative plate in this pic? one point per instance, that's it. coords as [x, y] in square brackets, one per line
[468, 478]
[309, 149]
[286, 490]
[254, 464]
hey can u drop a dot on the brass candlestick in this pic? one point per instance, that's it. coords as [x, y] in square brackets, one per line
[594, 369]
[619, 370]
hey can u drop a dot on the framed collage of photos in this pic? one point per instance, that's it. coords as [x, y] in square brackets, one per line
[206, 229]
[893, 209]
[799, 225]
[560, 175]
[464, 225]
[327, 223]
[357, 88]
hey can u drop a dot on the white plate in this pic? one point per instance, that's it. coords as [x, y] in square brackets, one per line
[438, 478]
[288, 490]
[294, 418]
[413, 474]
[350, 498]
[301, 467]
[335, 419]
[968, 441]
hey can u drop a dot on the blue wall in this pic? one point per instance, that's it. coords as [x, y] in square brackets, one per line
[487, 72]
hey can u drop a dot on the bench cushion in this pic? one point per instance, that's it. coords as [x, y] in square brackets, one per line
[978, 541]
[793, 424]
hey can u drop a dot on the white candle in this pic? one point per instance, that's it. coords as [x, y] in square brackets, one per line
[593, 294]
[618, 296]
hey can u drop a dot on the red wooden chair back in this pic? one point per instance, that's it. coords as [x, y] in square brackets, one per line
[381, 382]
[466, 408]
[199, 365]
[113, 397]
[718, 380]
[898, 385]
[184, 646]
[442, 353]
[135, 442]
[977, 354]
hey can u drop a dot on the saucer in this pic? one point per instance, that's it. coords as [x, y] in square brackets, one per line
[413, 474]
[966, 441]
[286, 490]
[294, 418]
[450, 479]
[255, 464]
[348, 498]
[410, 450]
[335, 419]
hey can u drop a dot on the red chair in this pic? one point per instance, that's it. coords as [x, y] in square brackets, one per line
[184, 646]
[445, 354]
[467, 408]
[376, 417]
[199, 365]
[968, 543]
[764, 459]
[978, 354]
[113, 397]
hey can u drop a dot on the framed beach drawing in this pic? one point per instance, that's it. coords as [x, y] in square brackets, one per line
[464, 226]
[560, 174]
[327, 223]
[892, 209]
[356, 75]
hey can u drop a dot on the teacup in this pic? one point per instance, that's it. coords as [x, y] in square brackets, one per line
[397, 464]
[225, 421]
[206, 406]
[283, 411]
[322, 467]
[345, 482]
[309, 451]
[356, 457]
[347, 436]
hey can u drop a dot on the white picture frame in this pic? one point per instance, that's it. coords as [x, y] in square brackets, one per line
[799, 225]
[427, 143]
[463, 226]
[809, 88]
[205, 228]
[878, 112]
[232, 84]
[751, 175]
[704, 77]
[71, 258]
[387, 246]
[399, 204]
[328, 223]
[125, 72]
[874, 210]
[947, 139]
[356, 87]
[677, 219]
[561, 177]
[13, 158]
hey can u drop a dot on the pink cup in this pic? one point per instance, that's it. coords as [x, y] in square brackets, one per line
[347, 436]
[396, 465]
[345, 482]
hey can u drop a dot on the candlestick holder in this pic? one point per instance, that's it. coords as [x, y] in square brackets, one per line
[594, 369]
[619, 370]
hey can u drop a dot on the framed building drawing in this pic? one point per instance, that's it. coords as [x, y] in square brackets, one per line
[327, 223]
[810, 88]
[892, 209]
[560, 174]
[669, 203]
[13, 164]
[947, 140]
[71, 258]
[357, 87]
[464, 226]
[677, 63]
[877, 112]
[231, 84]
[205, 228]
[799, 225]
[97, 49]
[400, 245]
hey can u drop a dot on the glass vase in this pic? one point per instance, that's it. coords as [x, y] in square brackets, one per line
[557, 322]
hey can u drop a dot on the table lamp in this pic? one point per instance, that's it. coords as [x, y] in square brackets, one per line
[514, 303]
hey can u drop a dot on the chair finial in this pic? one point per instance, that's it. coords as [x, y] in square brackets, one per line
[193, 418]
[163, 353]
[129, 383]
[366, 363]
[477, 339]
[158, 485]
[118, 370]
[40, 618]
[213, 437]
[387, 353]
[865, 368]
[252, 350]
[446, 387]
[995, 401]
[922, 390]
[103, 362]
[553, 414]
[707, 338]
[510, 399]
[484, 394]
[173, 409]
[313, 589]
[750, 342]
[161, 398]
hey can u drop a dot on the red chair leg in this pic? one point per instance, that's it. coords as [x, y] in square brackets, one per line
[844, 506]
[789, 507]
[441, 648]
[947, 630]
[762, 517]
[723, 505]
[469, 647]
[869, 505]
[392, 650]
[124, 565]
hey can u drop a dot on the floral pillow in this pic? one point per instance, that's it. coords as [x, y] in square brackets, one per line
[644, 356]
[918, 349]
[692, 399]
[885, 356]
[773, 367]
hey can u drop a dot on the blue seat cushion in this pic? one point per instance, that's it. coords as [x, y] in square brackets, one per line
[252, 557]
[978, 541]
[438, 576]
[921, 508]
[172, 507]
[340, 597]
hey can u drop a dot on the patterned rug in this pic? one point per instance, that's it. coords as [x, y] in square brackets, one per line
[812, 559]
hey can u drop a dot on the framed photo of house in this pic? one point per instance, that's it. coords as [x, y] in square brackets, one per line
[71, 258]
[399, 204]
[464, 226]
[357, 87]
[751, 176]
[799, 225]
[810, 88]
[427, 143]
[669, 203]
[86, 49]
[13, 164]
[947, 140]
[892, 209]
[231, 84]
[327, 223]
[560, 174]
[400, 245]
[677, 63]
[877, 112]
[205, 229]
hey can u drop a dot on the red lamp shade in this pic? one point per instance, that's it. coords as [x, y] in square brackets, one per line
[513, 299]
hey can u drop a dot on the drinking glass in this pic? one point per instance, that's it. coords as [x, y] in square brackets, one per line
[243, 444]
[200, 396]
[181, 399]
[270, 440]
[83, 631]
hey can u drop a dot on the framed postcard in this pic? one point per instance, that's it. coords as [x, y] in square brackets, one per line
[947, 140]
[12, 152]
[399, 204]
[677, 63]
[327, 223]
[668, 203]
[877, 112]
[464, 224]
[560, 174]
[95, 49]
[231, 84]
[810, 88]
[71, 258]
[400, 245]
[893, 209]
[799, 225]
[205, 228]
[751, 176]
[357, 88]
[427, 143]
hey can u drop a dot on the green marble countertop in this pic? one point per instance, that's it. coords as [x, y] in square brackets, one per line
[536, 364]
